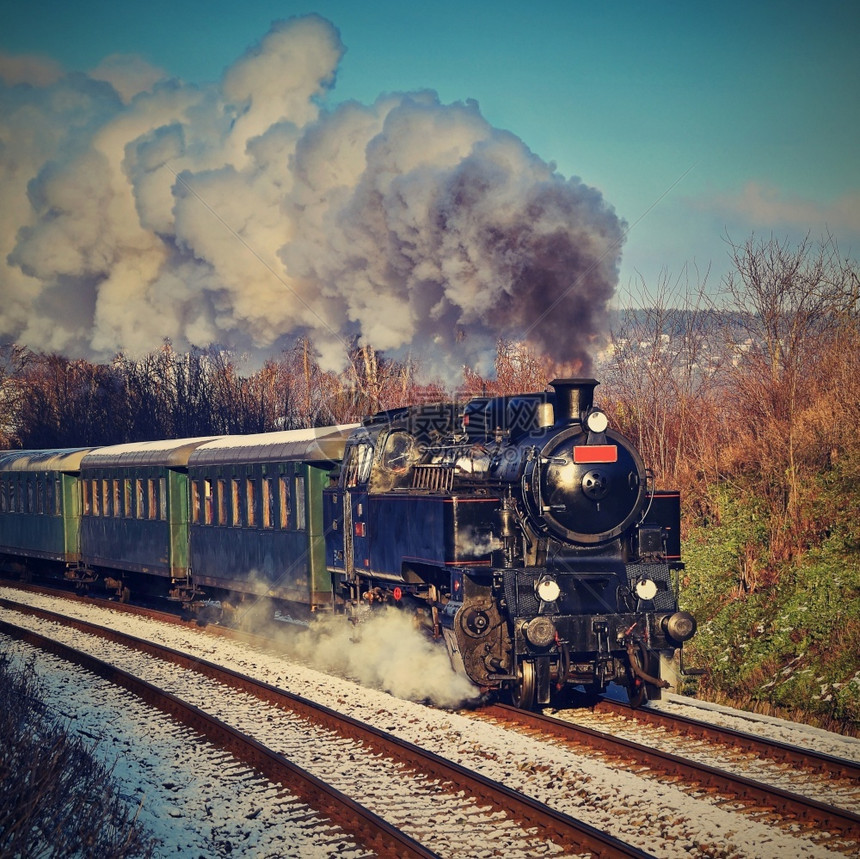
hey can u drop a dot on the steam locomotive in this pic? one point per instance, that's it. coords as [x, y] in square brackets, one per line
[521, 531]
[525, 532]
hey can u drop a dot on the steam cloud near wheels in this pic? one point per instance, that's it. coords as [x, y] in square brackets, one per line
[247, 212]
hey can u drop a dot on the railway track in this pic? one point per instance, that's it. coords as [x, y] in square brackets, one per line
[549, 825]
[371, 830]
[792, 807]
[559, 773]
[795, 757]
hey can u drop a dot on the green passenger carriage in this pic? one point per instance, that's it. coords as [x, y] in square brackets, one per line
[256, 514]
[134, 500]
[40, 505]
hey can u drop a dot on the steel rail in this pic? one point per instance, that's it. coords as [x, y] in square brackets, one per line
[372, 831]
[772, 749]
[562, 829]
[787, 804]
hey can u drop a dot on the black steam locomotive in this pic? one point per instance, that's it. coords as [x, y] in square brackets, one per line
[526, 534]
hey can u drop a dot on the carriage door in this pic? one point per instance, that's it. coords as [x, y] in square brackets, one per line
[347, 539]
[355, 508]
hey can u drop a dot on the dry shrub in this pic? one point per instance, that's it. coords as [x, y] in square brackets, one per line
[56, 799]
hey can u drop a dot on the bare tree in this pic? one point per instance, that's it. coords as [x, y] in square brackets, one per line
[658, 371]
[787, 305]
[13, 362]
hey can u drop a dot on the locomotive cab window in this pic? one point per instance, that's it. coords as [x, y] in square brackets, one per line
[358, 466]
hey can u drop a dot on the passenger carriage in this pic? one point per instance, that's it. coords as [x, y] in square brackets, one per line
[134, 512]
[40, 506]
[256, 514]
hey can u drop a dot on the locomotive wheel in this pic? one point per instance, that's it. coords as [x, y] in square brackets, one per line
[524, 689]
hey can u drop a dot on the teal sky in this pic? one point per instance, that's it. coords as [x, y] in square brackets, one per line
[696, 121]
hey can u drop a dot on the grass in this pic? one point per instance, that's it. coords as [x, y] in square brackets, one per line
[789, 645]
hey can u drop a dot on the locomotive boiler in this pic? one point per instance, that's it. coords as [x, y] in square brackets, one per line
[522, 530]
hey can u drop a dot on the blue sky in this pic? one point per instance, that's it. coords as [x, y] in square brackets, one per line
[695, 121]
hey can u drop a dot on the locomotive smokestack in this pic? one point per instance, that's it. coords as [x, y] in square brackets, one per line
[573, 398]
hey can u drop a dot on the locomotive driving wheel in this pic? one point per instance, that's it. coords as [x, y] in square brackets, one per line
[524, 688]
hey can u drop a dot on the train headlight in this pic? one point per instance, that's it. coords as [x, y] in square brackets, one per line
[547, 589]
[597, 421]
[646, 589]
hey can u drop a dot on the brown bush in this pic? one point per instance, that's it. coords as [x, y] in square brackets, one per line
[56, 799]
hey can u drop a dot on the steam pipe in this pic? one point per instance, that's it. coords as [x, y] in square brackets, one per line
[637, 670]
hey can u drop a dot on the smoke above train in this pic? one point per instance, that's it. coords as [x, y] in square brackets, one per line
[255, 209]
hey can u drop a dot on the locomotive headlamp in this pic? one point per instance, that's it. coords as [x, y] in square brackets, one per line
[597, 421]
[646, 589]
[547, 589]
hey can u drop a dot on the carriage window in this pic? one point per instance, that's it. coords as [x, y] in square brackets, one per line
[40, 496]
[250, 504]
[58, 496]
[85, 486]
[97, 502]
[141, 499]
[3, 495]
[207, 501]
[222, 502]
[129, 498]
[268, 503]
[300, 504]
[235, 503]
[162, 498]
[117, 499]
[152, 498]
[284, 492]
[195, 502]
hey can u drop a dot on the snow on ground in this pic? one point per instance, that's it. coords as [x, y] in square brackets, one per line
[658, 817]
[192, 797]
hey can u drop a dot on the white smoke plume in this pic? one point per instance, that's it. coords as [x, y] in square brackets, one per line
[243, 213]
[385, 651]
